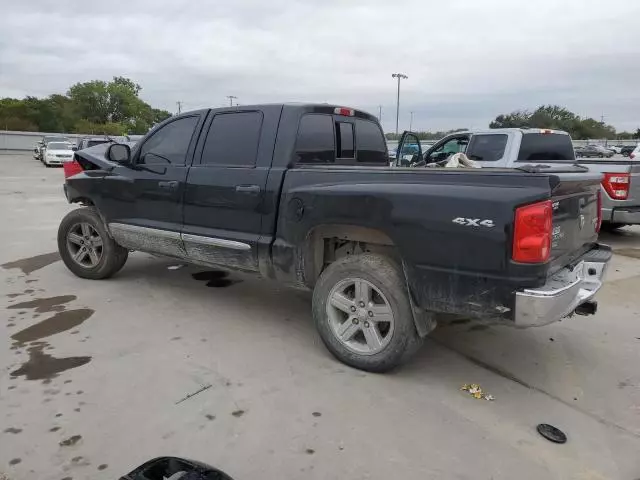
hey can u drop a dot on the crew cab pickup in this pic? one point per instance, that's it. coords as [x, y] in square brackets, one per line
[513, 147]
[304, 194]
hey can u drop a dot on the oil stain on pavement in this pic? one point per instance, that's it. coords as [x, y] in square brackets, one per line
[43, 305]
[60, 322]
[42, 366]
[31, 264]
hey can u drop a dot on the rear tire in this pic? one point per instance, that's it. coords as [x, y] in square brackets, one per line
[86, 247]
[362, 312]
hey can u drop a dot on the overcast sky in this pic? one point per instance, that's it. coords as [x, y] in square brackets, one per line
[467, 60]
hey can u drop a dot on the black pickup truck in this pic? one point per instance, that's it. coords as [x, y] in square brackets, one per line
[304, 194]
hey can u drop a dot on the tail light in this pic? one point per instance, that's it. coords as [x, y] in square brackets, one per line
[532, 233]
[632, 155]
[617, 185]
[599, 211]
[72, 168]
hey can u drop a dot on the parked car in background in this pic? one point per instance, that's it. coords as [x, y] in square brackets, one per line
[591, 151]
[615, 148]
[57, 153]
[627, 149]
[86, 142]
[40, 145]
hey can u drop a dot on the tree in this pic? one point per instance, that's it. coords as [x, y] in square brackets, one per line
[113, 108]
[555, 117]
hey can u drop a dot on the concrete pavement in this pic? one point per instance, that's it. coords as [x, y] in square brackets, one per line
[103, 386]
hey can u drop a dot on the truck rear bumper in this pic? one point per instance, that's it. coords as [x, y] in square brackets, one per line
[629, 215]
[564, 291]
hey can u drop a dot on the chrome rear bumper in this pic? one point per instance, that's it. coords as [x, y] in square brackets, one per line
[564, 291]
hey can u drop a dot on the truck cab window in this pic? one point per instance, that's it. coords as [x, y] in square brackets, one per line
[345, 140]
[233, 139]
[370, 143]
[315, 142]
[487, 148]
[448, 148]
[170, 143]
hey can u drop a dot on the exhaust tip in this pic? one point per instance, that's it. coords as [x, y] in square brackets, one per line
[587, 308]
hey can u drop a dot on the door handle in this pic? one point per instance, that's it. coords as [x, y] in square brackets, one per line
[171, 185]
[248, 189]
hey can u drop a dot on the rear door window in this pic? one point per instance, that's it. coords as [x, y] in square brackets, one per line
[233, 139]
[316, 142]
[546, 146]
[487, 148]
[370, 143]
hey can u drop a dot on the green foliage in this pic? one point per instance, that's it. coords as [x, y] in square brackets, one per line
[97, 107]
[558, 118]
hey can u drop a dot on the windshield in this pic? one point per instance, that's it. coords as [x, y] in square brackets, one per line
[59, 146]
[55, 139]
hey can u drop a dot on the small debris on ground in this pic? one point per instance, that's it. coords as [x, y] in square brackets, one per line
[475, 391]
[551, 433]
[175, 267]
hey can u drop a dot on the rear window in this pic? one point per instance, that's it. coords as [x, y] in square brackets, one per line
[315, 142]
[487, 148]
[545, 146]
[345, 144]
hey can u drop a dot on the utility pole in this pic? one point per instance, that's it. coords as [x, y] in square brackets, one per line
[179, 107]
[380, 113]
[398, 76]
[231, 97]
[411, 122]
[602, 118]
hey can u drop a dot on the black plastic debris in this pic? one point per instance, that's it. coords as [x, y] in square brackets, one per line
[552, 433]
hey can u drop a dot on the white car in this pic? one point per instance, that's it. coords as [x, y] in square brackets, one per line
[57, 153]
[635, 154]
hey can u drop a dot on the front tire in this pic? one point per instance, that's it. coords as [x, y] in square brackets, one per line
[86, 247]
[362, 312]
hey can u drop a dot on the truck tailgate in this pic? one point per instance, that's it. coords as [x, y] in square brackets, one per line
[574, 200]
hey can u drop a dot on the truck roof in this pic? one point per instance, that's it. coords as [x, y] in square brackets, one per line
[326, 108]
[523, 130]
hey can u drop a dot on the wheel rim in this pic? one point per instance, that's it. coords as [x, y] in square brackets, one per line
[85, 245]
[360, 316]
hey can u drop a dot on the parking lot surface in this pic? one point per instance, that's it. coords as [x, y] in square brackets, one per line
[99, 376]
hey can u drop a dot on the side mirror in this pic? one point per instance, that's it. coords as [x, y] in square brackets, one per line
[119, 153]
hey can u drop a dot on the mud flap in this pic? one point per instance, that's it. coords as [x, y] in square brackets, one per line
[424, 321]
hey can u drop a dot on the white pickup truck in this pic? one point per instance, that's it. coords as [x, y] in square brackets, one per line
[513, 147]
